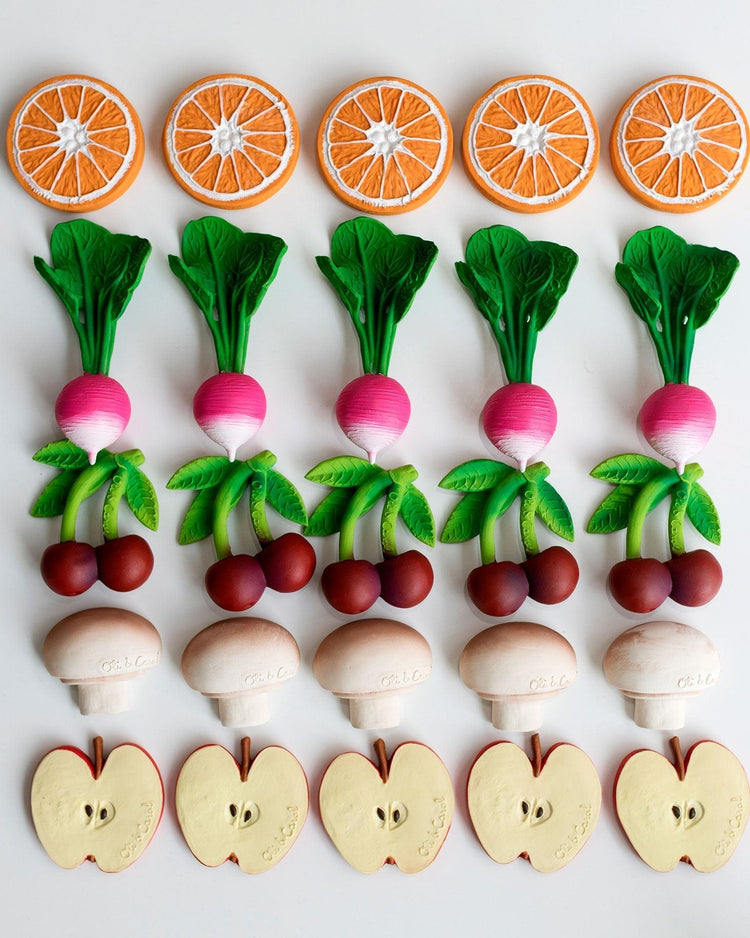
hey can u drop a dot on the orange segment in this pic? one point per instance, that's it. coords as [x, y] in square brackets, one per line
[679, 143]
[231, 141]
[75, 143]
[385, 146]
[530, 143]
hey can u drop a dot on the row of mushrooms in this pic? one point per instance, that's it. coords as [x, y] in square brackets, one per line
[372, 662]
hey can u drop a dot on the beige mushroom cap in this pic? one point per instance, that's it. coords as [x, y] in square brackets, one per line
[371, 662]
[659, 664]
[100, 650]
[517, 665]
[240, 661]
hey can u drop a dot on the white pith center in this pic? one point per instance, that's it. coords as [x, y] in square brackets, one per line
[227, 137]
[384, 139]
[72, 136]
[681, 137]
[530, 137]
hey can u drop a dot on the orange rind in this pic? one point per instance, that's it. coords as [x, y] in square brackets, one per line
[679, 144]
[385, 146]
[75, 143]
[530, 143]
[231, 141]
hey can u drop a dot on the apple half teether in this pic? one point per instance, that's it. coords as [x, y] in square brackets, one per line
[544, 810]
[398, 813]
[250, 813]
[105, 811]
[695, 810]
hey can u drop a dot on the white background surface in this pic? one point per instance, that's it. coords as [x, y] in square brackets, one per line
[594, 358]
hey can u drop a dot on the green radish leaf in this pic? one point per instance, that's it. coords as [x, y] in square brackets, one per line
[227, 272]
[646, 304]
[564, 262]
[703, 514]
[415, 511]
[284, 498]
[343, 471]
[94, 274]
[613, 514]
[327, 517]
[489, 304]
[62, 454]
[531, 271]
[554, 512]
[141, 498]
[724, 267]
[202, 473]
[630, 468]
[476, 475]
[465, 521]
[199, 518]
[376, 274]
[51, 502]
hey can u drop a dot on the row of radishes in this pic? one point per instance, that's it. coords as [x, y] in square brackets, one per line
[516, 285]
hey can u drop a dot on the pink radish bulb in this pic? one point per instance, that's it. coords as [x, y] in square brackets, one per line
[677, 421]
[92, 411]
[230, 408]
[373, 411]
[520, 419]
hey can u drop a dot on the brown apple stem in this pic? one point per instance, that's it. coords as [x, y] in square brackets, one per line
[98, 756]
[679, 759]
[382, 759]
[536, 755]
[245, 758]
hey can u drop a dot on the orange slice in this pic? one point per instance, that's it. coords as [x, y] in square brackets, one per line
[385, 145]
[679, 143]
[530, 143]
[75, 143]
[231, 141]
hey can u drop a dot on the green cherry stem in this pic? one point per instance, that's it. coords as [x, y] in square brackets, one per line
[258, 517]
[112, 501]
[226, 498]
[364, 496]
[89, 480]
[648, 498]
[678, 508]
[529, 505]
[402, 479]
[499, 500]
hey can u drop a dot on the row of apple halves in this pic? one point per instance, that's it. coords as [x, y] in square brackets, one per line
[397, 811]
[516, 284]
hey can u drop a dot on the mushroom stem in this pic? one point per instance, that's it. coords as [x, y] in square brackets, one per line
[679, 759]
[517, 714]
[100, 697]
[659, 713]
[375, 713]
[244, 710]
[244, 758]
[380, 751]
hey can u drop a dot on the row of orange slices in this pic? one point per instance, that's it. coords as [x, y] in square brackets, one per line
[384, 145]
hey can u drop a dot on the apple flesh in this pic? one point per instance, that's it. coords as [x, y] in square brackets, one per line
[699, 817]
[546, 816]
[403, 820]
[253, 822]
[107, 814]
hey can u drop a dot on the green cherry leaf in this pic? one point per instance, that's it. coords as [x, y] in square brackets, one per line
[703, 514]
[141, 498]
[203, 473]
[417, 515]
[284, 498]
[554, 512]
[476, 475]
[51, 502]
[630, 468]
[343, 472]
[328, 516]
[62, 454]
[199, 518]
[465, 521]
[613, 514]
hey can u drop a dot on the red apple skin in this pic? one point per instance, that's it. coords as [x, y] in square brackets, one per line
[696, 577]
[288, 563]
[350, 586]
[498, 588]
[235, 583]
[640, 584]
[124, 563]
[405, 579]
[69, 568]
[552, 575]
